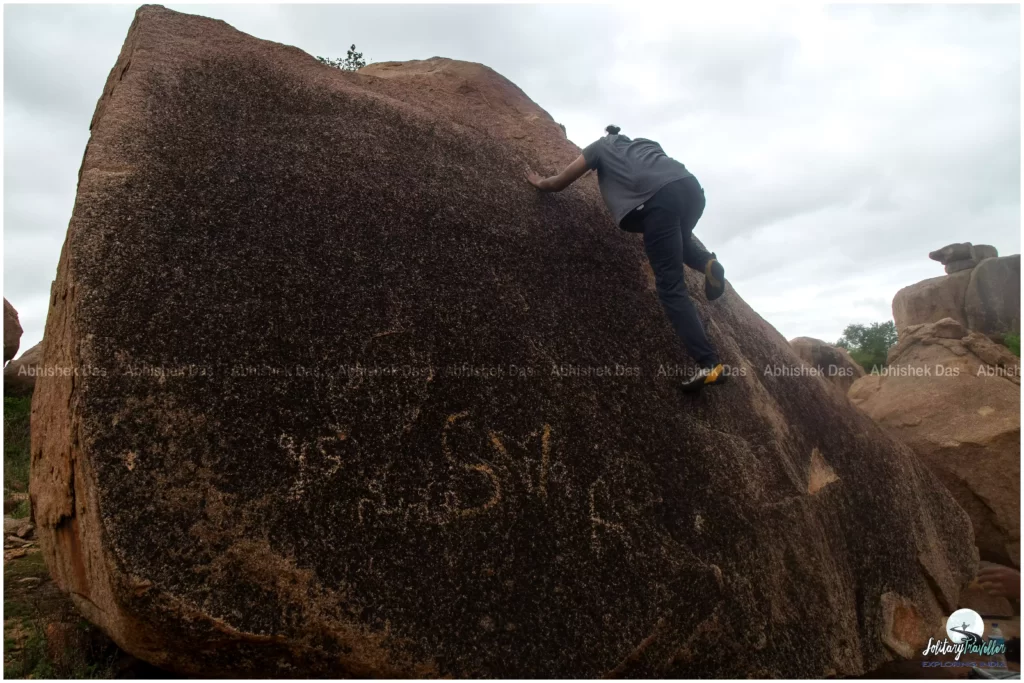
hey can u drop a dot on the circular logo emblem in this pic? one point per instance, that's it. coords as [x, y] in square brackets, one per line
[965, 624]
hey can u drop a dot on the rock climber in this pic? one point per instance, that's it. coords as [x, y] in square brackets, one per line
[648, 191]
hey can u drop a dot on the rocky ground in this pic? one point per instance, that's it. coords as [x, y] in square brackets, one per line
[44, 636]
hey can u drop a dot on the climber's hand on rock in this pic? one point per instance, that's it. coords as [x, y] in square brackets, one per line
[535, 179]
[1000, 581]
[561, 181]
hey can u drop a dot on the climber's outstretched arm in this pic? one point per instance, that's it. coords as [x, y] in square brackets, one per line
[562, 180]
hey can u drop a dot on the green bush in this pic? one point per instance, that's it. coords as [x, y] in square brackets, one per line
[869, 344]
[353, 60]
[78, 659]
[16, 444]
[1012, 342]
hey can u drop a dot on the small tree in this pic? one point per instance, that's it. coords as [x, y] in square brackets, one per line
[330, 62]
[353, 60]
[869, 344]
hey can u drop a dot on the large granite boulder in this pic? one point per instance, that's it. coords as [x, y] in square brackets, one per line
[931, 300]
[832, 362]
[982, 292]
[20, 374]
[954, 397]
[355, 399]
[992, 297]
[12, 331]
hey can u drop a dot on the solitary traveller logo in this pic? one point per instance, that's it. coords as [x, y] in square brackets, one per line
[965, 625]
[965, 629]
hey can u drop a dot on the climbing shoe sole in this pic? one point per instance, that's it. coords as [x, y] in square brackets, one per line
[714, 279]
[705, 377]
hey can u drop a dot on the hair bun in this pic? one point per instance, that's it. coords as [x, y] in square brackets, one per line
[614, 130]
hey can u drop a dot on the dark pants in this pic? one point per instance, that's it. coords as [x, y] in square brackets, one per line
[667, 221]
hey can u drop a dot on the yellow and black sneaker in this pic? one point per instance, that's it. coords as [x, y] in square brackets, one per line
[705, 377]
[714, 279]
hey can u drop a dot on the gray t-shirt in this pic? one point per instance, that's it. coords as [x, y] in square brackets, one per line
[629, 172]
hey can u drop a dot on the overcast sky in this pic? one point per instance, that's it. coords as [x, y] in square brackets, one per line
[837, 145]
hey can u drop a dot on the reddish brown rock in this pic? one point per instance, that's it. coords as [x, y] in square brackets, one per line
[12, 331]
[931, 300]
[833, 362]
[288, 290]
[954, 397]
[20, 374]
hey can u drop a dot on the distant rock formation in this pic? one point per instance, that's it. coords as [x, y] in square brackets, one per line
[833, 362]
[962, 256]
[964, 423]
[954, 397]
[12, 331]
[356, 400]
[20, 374]
[981, 292]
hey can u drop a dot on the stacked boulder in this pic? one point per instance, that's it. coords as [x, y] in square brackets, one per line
[980, 290]
[20, 374]
[12, 331]
[952, 393]
[962, 256]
